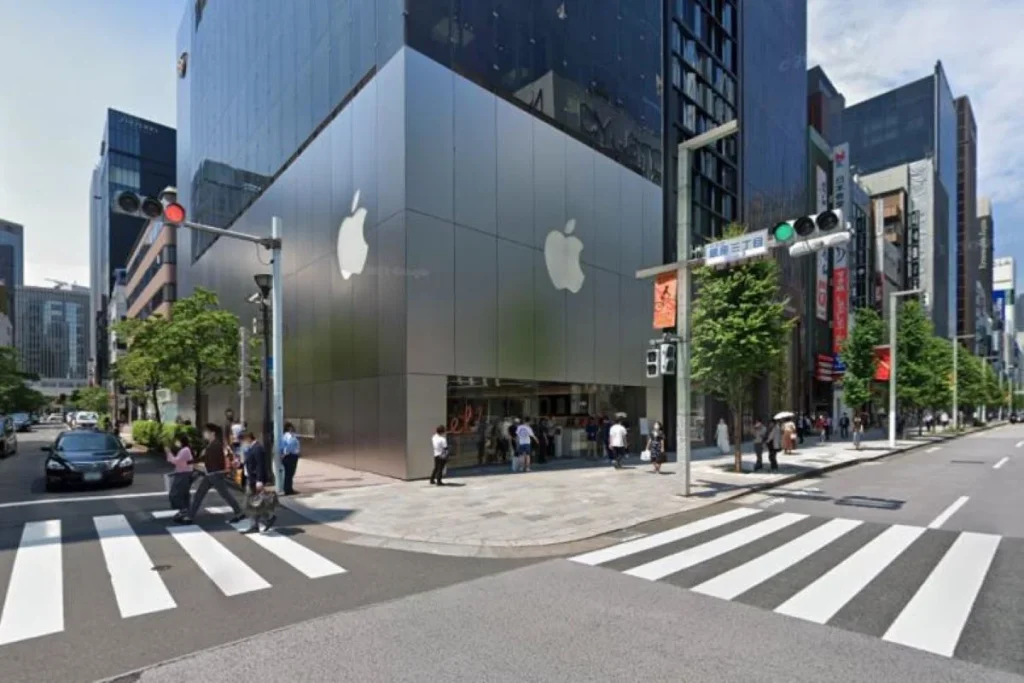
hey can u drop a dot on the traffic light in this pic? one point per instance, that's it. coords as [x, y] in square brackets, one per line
[668, 358]
[809, 234]
[653, 362]
[165, 207]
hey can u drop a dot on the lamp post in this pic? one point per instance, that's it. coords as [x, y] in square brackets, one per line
[265, 281]
[956, 382]
[683, 246]
[892, 360]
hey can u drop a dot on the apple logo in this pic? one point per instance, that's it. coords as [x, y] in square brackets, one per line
[562, 256]
[352, 246]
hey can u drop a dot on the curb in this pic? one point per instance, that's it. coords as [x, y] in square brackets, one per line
[572, 546]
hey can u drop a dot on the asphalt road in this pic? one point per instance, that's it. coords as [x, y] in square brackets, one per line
[94, 584]
[557, 622]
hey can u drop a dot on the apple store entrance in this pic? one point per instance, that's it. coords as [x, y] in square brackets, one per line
[480, 411]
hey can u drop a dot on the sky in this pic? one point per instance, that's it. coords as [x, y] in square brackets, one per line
[68, 60]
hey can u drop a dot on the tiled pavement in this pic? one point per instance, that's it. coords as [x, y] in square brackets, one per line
[499, 514]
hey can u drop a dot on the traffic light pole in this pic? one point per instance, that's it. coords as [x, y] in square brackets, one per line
[273, 243]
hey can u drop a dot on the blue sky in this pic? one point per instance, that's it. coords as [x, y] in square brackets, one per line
[68, 60]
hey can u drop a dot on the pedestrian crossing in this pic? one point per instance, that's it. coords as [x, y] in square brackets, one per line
[41, 578]
[919, 587]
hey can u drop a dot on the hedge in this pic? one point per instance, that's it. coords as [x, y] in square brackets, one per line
[155, 435]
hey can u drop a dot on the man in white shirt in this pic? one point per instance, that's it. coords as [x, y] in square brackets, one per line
[525, 439]
[617, 442]
[439, 445]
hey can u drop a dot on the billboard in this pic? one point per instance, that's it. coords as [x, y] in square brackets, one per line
[999, 305]
[821, 278]
[665, 289]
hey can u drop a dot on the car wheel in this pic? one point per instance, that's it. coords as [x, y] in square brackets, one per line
[50, 487]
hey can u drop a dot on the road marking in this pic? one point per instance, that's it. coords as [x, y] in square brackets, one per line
[1019, 444]
[677, 562]
[1000, 463]
[219, 509]
[34, 605]
[231, 575]
[655, 540]
[138, 589]
[80, 499]
[932, 449]
[935, 616]
[757, 571]
[821, 600]
[948, 512]
[297, 555]
[163, 514]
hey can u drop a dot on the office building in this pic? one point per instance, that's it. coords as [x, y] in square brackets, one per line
[986, 258]
[51, 335]
[436, 175]
[915, 122]
[6, 330]
[968, 243]
[151, 283]
[12, 260]
[136, 155]
[1004, 312]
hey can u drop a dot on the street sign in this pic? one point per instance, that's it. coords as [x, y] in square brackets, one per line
[270, 363]
[748, 246]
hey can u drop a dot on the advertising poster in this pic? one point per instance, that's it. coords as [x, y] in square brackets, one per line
[882, 364]
[665, 289]
[821, 279]
[841, 255]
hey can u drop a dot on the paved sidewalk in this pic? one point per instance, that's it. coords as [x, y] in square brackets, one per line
[498, 515]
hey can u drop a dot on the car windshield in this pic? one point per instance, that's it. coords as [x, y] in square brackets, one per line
[88, 441]
[20, 416]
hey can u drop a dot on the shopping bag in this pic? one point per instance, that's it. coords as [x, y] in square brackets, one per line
[646, 456]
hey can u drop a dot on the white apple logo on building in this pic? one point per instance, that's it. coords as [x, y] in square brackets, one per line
[352, 246]
[562, 256]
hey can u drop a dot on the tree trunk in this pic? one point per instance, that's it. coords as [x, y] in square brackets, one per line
[737, 450]
[156, 403]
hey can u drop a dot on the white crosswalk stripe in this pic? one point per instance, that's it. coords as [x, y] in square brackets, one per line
[828, 569]
[34, 601]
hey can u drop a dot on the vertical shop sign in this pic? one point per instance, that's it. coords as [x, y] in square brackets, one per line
[841, 255]
[821, 279]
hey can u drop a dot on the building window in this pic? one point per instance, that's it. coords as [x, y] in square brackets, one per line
[727, 18]
[690, 117]
[677, 37]
[677, 73]
[691, 85]
[690, 54]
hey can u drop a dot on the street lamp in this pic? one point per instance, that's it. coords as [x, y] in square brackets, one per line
[956, 363]
[265, 281]
[892, 360]
[684, 169]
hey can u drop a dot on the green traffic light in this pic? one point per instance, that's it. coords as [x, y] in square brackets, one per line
[784, 232]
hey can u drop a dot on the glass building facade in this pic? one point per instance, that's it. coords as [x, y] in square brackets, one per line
[50, 332]
[436, 183]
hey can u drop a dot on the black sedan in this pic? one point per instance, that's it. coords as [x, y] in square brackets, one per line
[85, 457]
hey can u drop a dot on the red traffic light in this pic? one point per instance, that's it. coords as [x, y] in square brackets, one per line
[174, 213]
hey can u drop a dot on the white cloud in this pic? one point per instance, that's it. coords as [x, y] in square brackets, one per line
[870, 46]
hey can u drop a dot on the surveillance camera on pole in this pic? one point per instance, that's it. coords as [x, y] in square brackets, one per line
[810, 234]
[165, 207]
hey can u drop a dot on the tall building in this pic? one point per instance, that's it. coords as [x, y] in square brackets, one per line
[136, 155]
[915, 122]
[986, 250]
[12, 260]
[437, 174]
[703, 61]
[1004, 311]
[51, 335]
[150, 285]
[968, 244]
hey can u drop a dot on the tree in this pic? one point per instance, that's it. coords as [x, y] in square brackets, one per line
[739, 332]
[201, 343]
[148, 362]
[94, 399]
[913, 374]
[858, 355]
[970, 381]
[937, 392]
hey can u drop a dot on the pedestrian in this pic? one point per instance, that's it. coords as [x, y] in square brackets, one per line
[439, 446]
[290, 448]
[603, 438]
[591, 431]
[844, 426]
[216, 459]
[819, 426]
[760, 434]
[801, 427]
[774, 443]
[260, 502]
[722, 436]
[513, 444]
[179, 454]
[525, 439]
[858, 431]
[656, 446]
[788, 436]
[617, 440]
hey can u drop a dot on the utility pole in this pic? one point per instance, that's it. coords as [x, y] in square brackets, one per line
[243, 376]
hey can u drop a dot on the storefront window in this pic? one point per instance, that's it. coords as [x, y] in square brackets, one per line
[480, 411]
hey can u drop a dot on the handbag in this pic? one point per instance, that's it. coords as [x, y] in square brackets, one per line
[645, 456]
[262, 502]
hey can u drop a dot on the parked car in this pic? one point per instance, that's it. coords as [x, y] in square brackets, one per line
[87, 420]
[8, 438]
[53, 419]
[83, 457]
[22, 422]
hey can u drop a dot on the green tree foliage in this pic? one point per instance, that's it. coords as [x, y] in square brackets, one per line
[937, 391]
[970, 382]
[147, 364]
[202, 346]
[738, 333]
[913, 374]
[15, 394]
[858, 355]
[94, 399]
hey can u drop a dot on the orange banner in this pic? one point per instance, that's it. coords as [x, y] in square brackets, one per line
[665, 288]
[882, 364]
